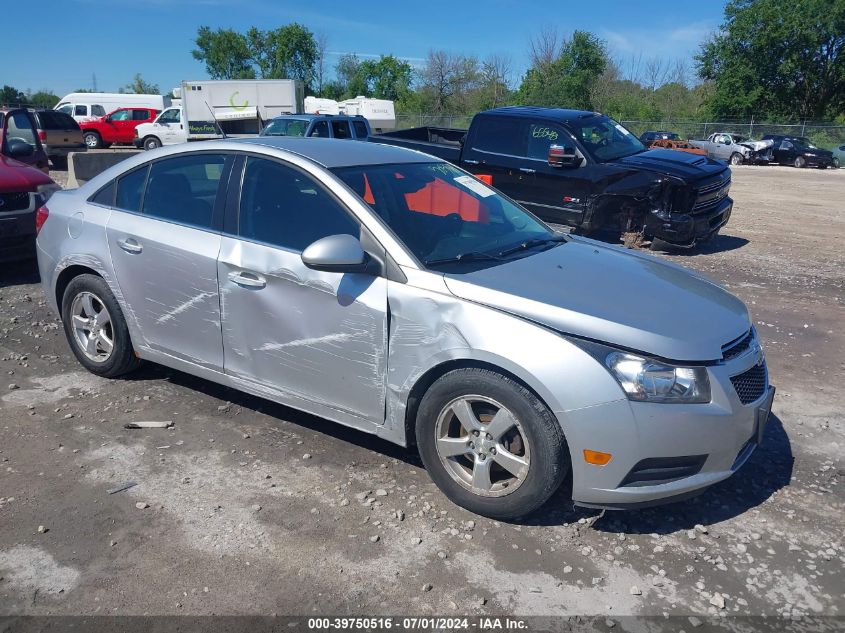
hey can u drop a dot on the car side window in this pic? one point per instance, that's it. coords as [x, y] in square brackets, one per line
[282, 206]
[500, 135]
[321, 128]
[80, 110]
[98, 110]
[120, 115]
[360, 129]
[541, 136]
[19, 126]
[130, 189]
[104, 196]
[184, 189]
[785, 144]
[140, 115]
[340, 129]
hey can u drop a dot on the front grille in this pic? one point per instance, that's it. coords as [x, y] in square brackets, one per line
[737, 347]
[653, 471]
[750, 385]
[711, 193]
[14, 201]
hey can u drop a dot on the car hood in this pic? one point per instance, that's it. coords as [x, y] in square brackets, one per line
[601, 292]
[683, 165]
[17, 176]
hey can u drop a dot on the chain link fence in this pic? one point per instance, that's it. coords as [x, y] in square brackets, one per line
[826, 135]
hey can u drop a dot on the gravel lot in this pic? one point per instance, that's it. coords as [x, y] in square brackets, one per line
[246, 507]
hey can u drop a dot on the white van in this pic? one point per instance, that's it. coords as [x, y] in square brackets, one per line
[84, 106]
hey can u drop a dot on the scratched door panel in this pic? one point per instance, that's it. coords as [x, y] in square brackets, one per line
[311, 334]
[170, 286]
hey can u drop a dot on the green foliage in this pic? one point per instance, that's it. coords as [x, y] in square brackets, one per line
[225, 53]
[386, 78]
[43, 99]
[11, 96]
[567, 80]
[777, 59]
[140, 87]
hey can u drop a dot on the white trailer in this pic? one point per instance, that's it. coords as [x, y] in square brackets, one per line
[85, 106]
[209, 109]
[379, 112]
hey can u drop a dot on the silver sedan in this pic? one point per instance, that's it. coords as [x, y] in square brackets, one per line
[389, 291]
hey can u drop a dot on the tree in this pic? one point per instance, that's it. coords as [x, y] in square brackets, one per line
[386, 78]
[322, 42]
[11, 96]
[42, 99]
[140, 87]
[350, 80]
[294, 53]
[777, 59]
[567, 80]
[447, 80]
[225, 53]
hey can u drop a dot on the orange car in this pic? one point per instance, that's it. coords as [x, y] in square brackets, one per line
[681, 146]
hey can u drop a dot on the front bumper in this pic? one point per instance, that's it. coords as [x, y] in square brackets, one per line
[687, 229]
[62, 151]
[665, 452]
[17, 230]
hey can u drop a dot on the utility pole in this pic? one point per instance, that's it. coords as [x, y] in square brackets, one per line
[94, 81]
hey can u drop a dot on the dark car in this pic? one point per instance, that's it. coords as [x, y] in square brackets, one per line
[60, 135]
[586, 170]
[322, 125]
[648, 137]
[19, 138]
[23, 191]
[799, 152]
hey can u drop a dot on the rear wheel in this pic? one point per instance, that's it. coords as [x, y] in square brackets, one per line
[736, 158]
[489, 443]
[800, 162]
[151, 142]
[92, 140]
[836, 163]
[95, 327]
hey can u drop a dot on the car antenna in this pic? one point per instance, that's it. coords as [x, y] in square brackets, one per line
[216, 122]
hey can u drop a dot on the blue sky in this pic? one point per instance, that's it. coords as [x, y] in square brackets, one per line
[114, 40]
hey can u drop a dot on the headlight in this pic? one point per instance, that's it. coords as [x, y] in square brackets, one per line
[45, 191]
[649, 380]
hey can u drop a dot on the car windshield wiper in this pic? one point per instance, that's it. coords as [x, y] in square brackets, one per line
[536, 241]
[470, 256]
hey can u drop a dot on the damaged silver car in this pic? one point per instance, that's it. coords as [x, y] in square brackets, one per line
[392, 292]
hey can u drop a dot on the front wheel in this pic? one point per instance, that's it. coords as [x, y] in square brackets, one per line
[151, 142]
[800, 162]
[490, 444]
[736, 158]
[92, 140]
[95, 327]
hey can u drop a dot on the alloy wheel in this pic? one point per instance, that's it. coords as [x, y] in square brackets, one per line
[482, 446]
[92, 327]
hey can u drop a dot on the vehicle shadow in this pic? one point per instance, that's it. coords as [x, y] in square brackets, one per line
[719, 244]
[19, 273]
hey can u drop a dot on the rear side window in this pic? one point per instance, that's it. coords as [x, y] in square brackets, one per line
[500, 135]
[541, 136]
[19, 126]
[140, 115]
[360, 129]
[184, 189]
[98, 110]
[340, 129]
[80, 110]
[130, 189]
[104, 196]
[321, 128]
[283, 207]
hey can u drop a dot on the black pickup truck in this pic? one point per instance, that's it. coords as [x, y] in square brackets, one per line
[586, 170]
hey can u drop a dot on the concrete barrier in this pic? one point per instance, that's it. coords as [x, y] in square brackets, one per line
[83, 166]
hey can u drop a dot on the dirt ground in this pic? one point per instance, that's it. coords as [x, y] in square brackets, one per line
[246, 507]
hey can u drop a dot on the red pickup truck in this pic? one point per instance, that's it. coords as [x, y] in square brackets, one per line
[116, 127]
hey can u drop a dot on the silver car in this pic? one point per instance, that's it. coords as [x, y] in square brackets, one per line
[390, 291]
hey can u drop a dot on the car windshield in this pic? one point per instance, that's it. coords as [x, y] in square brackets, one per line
[605, 139]
[804, 142]
[449, 220]
[286, 127]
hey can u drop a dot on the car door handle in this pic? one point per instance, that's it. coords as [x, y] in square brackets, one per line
[130, 245]
[526, 170]
[470, 162]
[250, 280]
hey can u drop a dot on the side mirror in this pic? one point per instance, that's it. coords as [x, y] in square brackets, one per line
[337, 254]
[560, 156]
[18, 148]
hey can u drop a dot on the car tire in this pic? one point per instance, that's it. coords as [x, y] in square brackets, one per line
[836, 163]
[799, 162]
[151, 142]
[505, 474]
[736, 159]
[104, 346]
[92, 140]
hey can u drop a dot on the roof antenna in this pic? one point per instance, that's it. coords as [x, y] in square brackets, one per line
[216, 122]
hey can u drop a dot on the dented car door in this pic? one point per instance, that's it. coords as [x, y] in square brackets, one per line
[318, 336]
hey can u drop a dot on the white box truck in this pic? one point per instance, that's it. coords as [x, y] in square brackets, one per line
[211, 109]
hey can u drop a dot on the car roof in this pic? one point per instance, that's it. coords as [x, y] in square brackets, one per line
[332, 153]
[311, 117]
[557, 114]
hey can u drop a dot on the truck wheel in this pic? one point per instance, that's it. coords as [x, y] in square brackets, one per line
[92, 140]
[489, 443]
[800, 162]
[836, 163]
[736, 158]
[151, 142]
